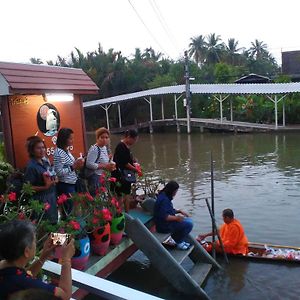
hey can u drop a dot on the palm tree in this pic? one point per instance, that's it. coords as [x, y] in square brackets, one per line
[215, 48]
[232, 50]
[36, 61]
[198, 49]
[258, 49]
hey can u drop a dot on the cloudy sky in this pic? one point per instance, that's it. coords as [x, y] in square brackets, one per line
[47, 28]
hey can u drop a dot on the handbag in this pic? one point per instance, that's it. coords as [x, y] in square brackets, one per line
[128, 176]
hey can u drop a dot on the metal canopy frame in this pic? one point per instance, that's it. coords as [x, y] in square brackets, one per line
[220, 92]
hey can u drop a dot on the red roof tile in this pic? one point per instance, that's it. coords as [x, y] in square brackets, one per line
[29, 78]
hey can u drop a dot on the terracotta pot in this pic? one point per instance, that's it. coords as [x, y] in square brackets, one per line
[100, 239]
[116, 229]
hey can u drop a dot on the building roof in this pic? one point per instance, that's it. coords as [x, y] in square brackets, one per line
[232, 88]
[36, 79]
[253, 78]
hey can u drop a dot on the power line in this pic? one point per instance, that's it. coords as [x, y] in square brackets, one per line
[147, 28]
[163, 23]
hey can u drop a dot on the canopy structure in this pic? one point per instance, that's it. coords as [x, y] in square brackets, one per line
[274, 91]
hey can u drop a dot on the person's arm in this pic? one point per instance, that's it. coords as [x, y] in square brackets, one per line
[180, 211]
[33, 177]
[205, 235]
[174, 218]
[64, 289]
[91, 158]
[59, 165]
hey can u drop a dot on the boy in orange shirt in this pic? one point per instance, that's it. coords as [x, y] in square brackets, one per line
[232, 235]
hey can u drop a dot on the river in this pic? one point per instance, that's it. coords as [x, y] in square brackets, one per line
[257, 175]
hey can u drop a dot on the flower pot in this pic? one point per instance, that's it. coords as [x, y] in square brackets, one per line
[116, 229]
[100, 239]
[82, 253]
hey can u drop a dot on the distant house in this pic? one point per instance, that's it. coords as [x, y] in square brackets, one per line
[291, 64]
[253, 78]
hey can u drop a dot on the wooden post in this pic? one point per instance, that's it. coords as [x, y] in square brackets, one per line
[276, 112]
[212, 202]
[162, 108]
[283, 113]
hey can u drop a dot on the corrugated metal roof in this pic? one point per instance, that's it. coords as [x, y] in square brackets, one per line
[232, 88]
[29, 78]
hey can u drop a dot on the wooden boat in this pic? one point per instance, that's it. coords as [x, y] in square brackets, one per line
[271, 253]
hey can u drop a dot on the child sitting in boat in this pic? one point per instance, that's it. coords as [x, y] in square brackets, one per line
[166, 218]
[232, 235]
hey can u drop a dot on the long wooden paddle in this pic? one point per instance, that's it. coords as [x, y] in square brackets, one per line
[217, 231]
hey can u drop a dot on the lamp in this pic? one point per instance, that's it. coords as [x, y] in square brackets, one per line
[59, 97]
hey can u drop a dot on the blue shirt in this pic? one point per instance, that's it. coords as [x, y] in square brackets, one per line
[14, 279]
[162, 209]
[34, 175]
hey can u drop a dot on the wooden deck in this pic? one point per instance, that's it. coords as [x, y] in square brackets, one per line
[210, 124]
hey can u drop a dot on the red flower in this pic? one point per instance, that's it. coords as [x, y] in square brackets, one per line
[19, 272]
[47, 206]
[62, 199]
[103, 189]
[12, 196]
[89, 196]
[21, 216]
[112, 179]
[106, 214]
[95, 220]
[102, 178]
[75, 225]
[115, 202]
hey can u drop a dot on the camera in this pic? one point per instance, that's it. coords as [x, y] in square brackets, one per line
[59, 239]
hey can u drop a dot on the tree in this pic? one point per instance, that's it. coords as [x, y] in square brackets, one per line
[258, 49]
[215, 48]
[198, 49]
[232, 51]
[36, 61]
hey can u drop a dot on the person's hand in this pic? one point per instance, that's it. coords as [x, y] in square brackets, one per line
[180, 218]
[68, 249]
[48, 182]
[110, 166]
[48, 249]
[184, 213]
[78, 164]
[201, 237]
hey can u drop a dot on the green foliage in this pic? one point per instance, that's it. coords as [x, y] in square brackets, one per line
[2, 152]
[212, 61]
[5, 171]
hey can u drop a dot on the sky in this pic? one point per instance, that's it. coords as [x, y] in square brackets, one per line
[47, 28]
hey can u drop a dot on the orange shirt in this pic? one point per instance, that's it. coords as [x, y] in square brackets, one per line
[234, 238]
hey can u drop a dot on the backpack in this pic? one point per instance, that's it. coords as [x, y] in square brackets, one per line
[86, 172]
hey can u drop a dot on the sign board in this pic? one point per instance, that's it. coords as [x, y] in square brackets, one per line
[32, 115]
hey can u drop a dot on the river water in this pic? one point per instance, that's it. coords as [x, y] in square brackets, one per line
[257, 175]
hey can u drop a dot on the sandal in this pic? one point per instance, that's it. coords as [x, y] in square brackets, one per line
[182, 246]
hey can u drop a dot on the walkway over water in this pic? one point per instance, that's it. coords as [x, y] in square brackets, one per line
[275, 92]
[210, 124]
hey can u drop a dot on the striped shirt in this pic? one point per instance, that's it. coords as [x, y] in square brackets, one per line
[63, 160]
[92, 162]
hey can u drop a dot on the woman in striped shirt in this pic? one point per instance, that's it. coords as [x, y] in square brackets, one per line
[98, 160]
[65, 165]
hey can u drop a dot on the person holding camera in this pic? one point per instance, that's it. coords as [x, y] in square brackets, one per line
[17, 249]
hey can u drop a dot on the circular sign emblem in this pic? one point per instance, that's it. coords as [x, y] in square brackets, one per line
[48, 119]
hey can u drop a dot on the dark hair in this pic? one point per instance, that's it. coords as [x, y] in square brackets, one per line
[228, 213]
[15, 236]
[170, 188]
[33, 294]
[31, 142]
[131, 133]
[62, 137]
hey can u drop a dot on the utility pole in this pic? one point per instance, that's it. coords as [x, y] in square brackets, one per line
[187, 92]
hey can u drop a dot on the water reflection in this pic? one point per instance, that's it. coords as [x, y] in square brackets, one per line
[258, 176]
